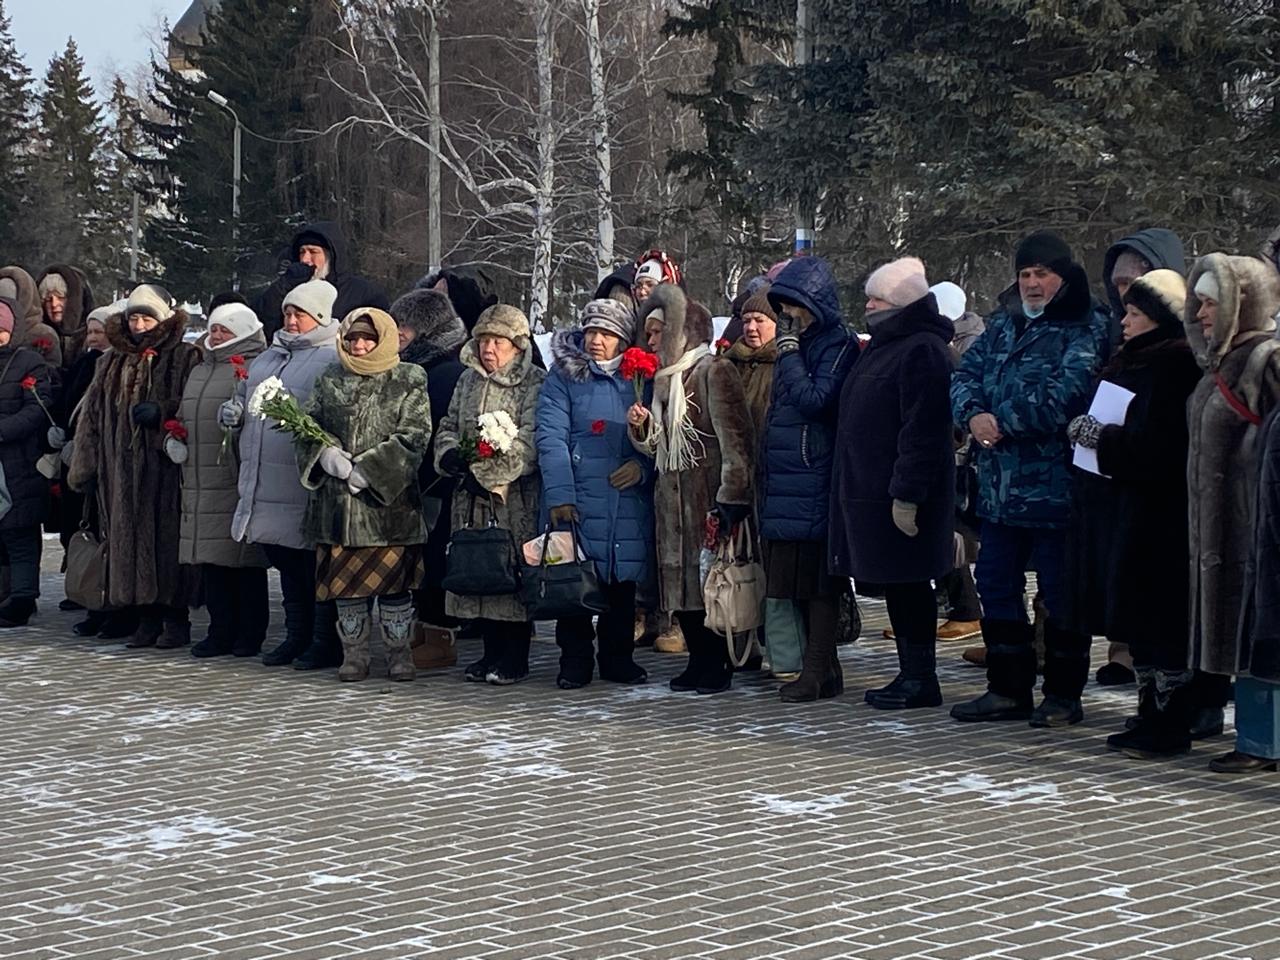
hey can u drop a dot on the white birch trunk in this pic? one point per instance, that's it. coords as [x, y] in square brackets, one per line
[600, 132]
[544, 185]
[434, 252]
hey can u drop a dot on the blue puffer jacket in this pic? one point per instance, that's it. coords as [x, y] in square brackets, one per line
[1033, 383]
[582, 438]
[799, 437]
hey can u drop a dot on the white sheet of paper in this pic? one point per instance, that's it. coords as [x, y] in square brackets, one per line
[1110, 404]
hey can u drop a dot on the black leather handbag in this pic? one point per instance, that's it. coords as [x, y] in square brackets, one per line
[568, 588]
[481, 561]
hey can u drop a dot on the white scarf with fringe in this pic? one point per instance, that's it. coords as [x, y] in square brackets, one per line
[674, 439]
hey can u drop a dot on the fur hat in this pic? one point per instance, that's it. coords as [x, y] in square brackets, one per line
[315, 298]
[238, 318]
[900, 282]
[611, 316]
[7, 314]
[1160, 294]
[53, 283]
[503, 320]
[1043, 248]
[431, 316]
[1248, 297]
[150, 299]
[758, 302]
[686, 323]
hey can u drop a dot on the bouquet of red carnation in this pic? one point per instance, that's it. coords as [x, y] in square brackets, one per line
[175, 429]
[638, 366]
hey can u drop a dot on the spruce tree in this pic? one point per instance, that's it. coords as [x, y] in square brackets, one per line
[15, 137]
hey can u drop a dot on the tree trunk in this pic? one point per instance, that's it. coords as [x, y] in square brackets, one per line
[603, 154]
[434, 252]
[544, 192]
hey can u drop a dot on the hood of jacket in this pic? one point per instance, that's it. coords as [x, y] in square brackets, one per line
[470, 288]
[686, 323]
[922, 316]
[79, 296]
[511, 375]
[1250, 297]
[165, 335]
[623, 277]
[1159, 247]
[334, 240]
[569, 355]
[1072, 304]
[809, 282]
[29, 311]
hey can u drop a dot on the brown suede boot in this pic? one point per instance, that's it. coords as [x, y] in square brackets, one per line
[433, 647]
[174, 635]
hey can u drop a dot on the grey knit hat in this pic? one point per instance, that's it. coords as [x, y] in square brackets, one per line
[316, 298]
[612, 316]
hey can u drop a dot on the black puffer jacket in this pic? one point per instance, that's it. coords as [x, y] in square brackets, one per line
[23, 425]
[353, 291]
[1260, 620]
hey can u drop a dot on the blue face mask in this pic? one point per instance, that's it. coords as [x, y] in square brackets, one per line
[1032, 313]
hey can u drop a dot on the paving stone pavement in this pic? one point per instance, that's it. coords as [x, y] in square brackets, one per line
[153, 805]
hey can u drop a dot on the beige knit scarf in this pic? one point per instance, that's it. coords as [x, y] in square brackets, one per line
[676, 442]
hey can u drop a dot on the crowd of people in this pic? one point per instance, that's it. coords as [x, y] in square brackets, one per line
[1124, 450]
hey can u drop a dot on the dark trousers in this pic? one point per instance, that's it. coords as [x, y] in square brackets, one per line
[163, 613]
[961, 595]
[912, 611]
[20, 549]
[1007, 553]
[236, 598]
[304, 616]
[615, 628]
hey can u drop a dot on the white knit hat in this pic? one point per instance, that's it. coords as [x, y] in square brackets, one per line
[151, 299]
[952, 301]
[53, 282]
[103, 314]
[316, 298]
[649, 270]
[1207, 286]
[238, 318]
[899, 283]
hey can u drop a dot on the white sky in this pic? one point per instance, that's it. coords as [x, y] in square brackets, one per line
[112, 35]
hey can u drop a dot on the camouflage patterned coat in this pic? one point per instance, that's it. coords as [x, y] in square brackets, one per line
[1033, 382]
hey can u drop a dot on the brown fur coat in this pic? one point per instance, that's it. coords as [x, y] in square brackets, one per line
[1222, 468]
[726, 462]
[138, 486]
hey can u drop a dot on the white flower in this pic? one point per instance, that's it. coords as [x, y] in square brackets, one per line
[498, 429]
[268, 389]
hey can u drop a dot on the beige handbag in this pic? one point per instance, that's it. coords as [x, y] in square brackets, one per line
[733, 594]
[86, 577]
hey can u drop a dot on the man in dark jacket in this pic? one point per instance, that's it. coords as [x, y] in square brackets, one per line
[469, 287]
[1016, 389]
[317, 252]
[431, 335]
[26, 393]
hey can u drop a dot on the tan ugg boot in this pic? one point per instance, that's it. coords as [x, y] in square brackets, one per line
[433, 647]
[671, 640]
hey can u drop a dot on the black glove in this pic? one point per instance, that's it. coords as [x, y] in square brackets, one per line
[146, 414]
[473, 486]
[299, 272]
[730, 514]
[452, 464]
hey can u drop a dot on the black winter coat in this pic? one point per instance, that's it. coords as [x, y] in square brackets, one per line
[1260, 619]
[443, 368]
[353, 291]
[23, 425]
[1127, 550]
[895, 441]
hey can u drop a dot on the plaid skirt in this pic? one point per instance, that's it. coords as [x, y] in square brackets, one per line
[349, 573]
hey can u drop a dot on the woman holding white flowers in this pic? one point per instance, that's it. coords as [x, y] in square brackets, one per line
[497, 464]
[272, 500]
[364, 512]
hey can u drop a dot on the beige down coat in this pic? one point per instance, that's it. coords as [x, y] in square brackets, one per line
[209, 494]
[1243, 356]
[513, 475]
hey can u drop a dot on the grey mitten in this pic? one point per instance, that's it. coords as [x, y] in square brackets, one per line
[57, 438]
[357, 481]
[175, 449]
[904, 517]
[336, 462]
[231, 414]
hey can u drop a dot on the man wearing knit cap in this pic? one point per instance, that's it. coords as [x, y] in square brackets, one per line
[318, 252]
[1016, 389]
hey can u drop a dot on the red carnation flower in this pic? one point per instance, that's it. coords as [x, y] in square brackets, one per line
[55, 490]
[484, 450]
[175, 429]
[722, 345]
[237, 361]
[149, 354]
[28, 382]
[241, 373]
[42, 344]
[597, 427]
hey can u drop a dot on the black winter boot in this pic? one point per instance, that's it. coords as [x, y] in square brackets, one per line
[1066, 671]
[1165, 712]
[476, 671]
[119, 624]
[90, 625]
[1011, 674]
[1056, 711]
[820, 675]
[917, 682]
[298, 624]
[694, 674]
[512, 665]
[324, 652]
[616, 654]
[212, 645]
[148, 632]
[577, 666]
[175, 634]
[16, 611]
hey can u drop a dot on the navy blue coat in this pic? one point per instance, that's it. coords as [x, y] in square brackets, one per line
[799, 438]
[582, 438]
[896, 443]
[23, 425]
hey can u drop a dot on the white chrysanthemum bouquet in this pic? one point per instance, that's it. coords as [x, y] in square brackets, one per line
[496, 434]
[270, 401]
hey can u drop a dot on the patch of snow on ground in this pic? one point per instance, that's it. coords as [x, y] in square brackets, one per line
[947, 784]
[206, 833]
[162, 715]
[815, 807]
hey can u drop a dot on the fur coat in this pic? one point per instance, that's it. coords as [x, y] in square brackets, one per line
[513, 476]
[1241, 356]
[29, 329]
[725, 460]
[209, 494]
[139, 488]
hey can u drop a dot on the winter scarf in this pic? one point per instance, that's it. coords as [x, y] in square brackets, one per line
[384, 356]
[673, 437]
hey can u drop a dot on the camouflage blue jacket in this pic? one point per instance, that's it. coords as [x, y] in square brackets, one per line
[1033, 380]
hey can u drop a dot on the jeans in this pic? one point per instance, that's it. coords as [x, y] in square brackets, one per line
[1007, 553]
[1258, 717]
[20, 549]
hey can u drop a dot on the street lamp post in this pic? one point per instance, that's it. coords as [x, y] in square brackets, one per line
[219, 100]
